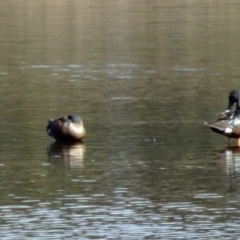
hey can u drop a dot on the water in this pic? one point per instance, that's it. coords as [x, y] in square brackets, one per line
[144, 76]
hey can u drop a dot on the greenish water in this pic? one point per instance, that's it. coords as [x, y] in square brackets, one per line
[144, 76]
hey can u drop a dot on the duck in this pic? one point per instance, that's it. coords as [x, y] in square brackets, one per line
[66, 129]
[227, 124]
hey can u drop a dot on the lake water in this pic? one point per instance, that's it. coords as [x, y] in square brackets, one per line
[144, 76]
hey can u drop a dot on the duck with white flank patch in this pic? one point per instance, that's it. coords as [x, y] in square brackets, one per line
[66, 129]
[228, 122]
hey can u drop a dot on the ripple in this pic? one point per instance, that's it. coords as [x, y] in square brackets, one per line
[75, 66]
[3, 74]
[123, 77]
[41, 66]
[207, 196]
[188, 69]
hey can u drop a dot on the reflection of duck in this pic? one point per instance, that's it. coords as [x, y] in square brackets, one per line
[70, 154]
[231, 157]
[227, 124]
[66, 129]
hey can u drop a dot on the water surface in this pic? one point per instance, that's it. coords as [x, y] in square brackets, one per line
[144, 76]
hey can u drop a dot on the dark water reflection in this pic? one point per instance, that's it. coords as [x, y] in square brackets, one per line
[144, 77]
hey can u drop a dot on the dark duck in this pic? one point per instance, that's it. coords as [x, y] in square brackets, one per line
[228, 122]
[66, 129]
